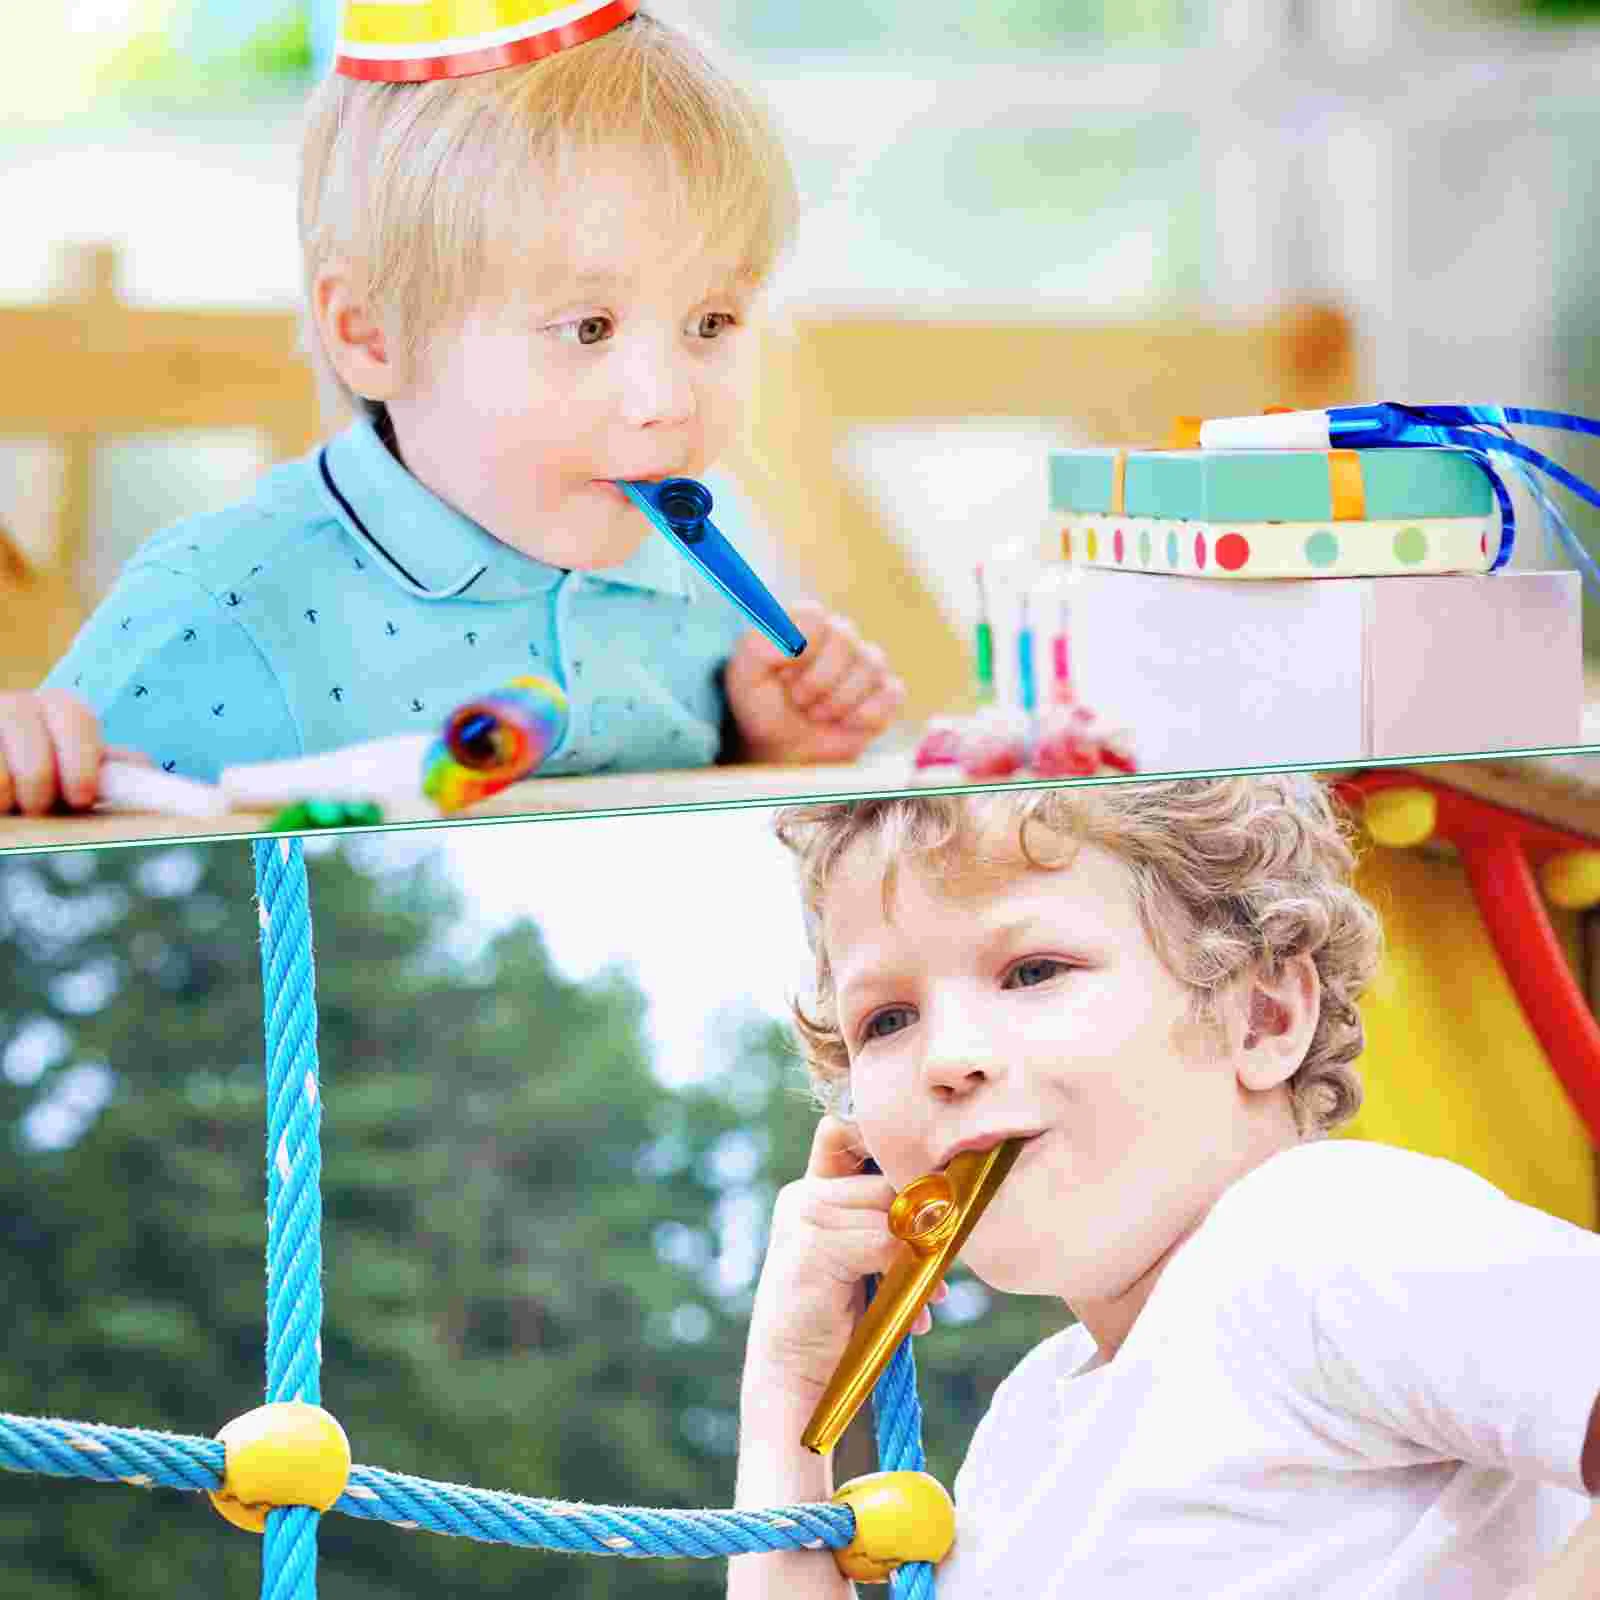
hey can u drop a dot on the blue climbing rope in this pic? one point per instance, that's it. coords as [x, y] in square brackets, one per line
[146, 1458]
[294, 1185]
[897, 1425]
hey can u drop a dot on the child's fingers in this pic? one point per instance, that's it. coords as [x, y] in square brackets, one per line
[815, 676]
[75, 734]
[26, 759]
[757, 650]
[878, 710]
[871, 702]
[860, 680]
[837, 1150]
[120, 752]
[849, 1199]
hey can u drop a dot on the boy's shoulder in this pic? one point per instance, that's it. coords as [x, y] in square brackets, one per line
[1322, 1210]
[1355, 1177]
[1036, 1376]
[267, 531]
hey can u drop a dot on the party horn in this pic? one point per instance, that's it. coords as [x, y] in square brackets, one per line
[933, 1217]
[494, 741]
[128, 787]
[681, 509]
[379, 769]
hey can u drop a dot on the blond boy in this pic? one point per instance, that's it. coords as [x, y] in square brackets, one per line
[528, 282]
[1299, 1366]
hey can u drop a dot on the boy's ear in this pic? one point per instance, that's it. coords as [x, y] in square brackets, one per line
[1281, 1018]
[351, 335]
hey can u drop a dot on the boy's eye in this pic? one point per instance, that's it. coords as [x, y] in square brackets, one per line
[881, 1024]
[1034, 971]
[713, 322]
[585, 330]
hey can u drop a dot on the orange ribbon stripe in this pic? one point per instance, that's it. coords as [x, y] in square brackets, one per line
[1345, 488]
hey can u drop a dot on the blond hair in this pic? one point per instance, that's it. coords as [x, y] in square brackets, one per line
[423, 189]
[1230, 876]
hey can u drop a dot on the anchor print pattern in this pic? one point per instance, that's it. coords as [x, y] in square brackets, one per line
[240, 680]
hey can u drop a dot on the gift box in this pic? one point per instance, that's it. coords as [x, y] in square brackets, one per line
[1230, 673]
[1250, 514]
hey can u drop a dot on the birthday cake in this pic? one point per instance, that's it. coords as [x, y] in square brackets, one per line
[1062, 738]
[1065, 741]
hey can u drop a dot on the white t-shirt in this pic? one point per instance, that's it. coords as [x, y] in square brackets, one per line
[1367, 1374]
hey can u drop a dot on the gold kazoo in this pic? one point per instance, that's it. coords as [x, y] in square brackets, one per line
[933, 1216]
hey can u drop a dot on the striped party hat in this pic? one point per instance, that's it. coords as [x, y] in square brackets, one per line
[415, 41]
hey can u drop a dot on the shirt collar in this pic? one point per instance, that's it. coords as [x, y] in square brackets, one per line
[434, 552]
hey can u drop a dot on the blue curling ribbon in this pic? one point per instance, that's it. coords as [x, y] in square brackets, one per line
[1479, 431]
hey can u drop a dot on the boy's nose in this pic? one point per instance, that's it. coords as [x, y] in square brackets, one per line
[958, 1056]
[657, 387]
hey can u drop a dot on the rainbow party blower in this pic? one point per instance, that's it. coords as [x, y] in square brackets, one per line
[681, 509]
[494, 741]
[1480, 432]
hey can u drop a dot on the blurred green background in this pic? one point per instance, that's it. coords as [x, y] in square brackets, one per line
[538, 1256]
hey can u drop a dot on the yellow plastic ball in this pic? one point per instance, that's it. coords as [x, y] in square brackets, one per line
[1572, 880]
[1401, 817]
[900, 1517]
[283, 1454]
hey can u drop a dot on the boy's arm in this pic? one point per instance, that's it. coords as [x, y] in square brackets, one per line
[1591, 1452]
[170, 673]
[1445, 1314]
[775, 1469]
[1575, 1573]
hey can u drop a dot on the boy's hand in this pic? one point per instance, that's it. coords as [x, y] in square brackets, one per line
[830, 1229]
[50, 752]
[827, 706]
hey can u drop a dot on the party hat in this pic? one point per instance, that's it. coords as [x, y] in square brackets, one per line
[414, 41]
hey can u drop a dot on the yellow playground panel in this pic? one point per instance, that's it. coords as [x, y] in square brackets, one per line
[1452, 1066]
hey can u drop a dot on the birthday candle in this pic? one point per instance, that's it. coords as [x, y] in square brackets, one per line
[1062, 676]
[1027, 686]
[985, 646]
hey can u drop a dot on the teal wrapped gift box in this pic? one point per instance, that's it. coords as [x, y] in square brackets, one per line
[1275, 513]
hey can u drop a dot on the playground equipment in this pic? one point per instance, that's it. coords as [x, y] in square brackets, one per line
[1481, 1045]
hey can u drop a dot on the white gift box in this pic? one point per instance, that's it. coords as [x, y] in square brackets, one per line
[1329, 670]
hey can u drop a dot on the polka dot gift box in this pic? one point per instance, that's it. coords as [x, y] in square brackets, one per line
[1275, 513]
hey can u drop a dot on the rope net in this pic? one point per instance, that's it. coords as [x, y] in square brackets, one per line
[146, 1458]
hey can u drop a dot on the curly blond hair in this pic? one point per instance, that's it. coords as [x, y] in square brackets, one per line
[1230, 876]
[425, 189]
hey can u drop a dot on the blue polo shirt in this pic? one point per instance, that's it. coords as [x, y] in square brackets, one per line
[344, 601]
